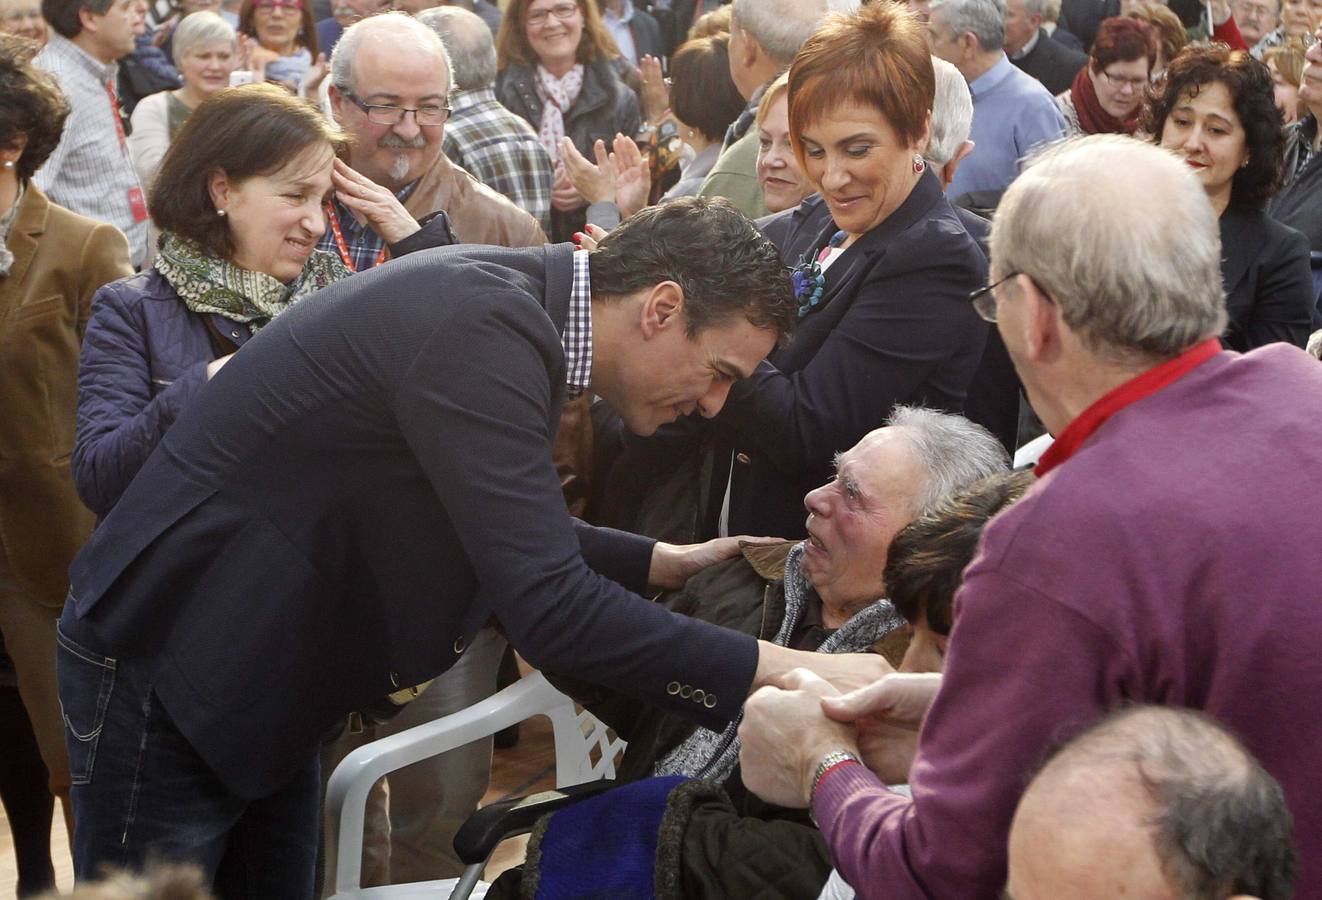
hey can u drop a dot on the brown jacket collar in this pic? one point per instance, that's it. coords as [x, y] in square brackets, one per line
[479, 214]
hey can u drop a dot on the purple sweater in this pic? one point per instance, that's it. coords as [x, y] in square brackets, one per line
[1174, 559]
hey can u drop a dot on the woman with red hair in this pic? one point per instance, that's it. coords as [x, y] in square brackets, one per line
[1107, 94]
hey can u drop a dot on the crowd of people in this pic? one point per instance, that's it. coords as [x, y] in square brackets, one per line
[682, 347]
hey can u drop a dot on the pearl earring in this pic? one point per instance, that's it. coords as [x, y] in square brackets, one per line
[220, 212]
[9, 164]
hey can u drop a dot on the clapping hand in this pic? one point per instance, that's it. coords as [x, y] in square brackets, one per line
[620, 176]
[656, 92]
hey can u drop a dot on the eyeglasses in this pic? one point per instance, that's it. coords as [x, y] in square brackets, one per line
[1118, 81]
[271, 6]
[380, 114]
[562, 11]
[984, 300]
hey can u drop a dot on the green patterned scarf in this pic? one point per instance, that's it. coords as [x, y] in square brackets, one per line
[208, 284]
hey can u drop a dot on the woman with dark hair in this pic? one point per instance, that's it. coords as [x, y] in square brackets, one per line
[1217, 109]
[238, 199]
[560, 70]
[51, 263]
[279, 43]
[1107, 94]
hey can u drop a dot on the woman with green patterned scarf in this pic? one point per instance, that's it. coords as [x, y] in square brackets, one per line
[238, 200]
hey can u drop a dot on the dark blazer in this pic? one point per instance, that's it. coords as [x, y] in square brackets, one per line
[993, 399]
[1052, 63]
[1268, 281]
[60, 259]
[648, 38]
[352, 497]
[895, 327]
[1082, 18]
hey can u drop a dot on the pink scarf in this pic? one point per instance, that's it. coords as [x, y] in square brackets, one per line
[557, 96]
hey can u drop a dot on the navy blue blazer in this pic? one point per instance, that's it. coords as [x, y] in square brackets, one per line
[895, 326]
[353, 496]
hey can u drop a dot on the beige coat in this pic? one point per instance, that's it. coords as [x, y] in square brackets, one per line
[60, 260]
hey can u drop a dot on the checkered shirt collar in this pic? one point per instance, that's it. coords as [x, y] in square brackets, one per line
[577, 339]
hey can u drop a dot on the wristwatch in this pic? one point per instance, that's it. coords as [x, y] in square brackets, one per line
[829, 762]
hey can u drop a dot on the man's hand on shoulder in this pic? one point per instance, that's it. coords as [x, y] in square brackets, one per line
[674, 564]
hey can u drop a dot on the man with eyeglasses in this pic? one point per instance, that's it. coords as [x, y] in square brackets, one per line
[1167, 553]
[390, 88]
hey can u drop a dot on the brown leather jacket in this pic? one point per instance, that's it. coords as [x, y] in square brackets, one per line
[60, 260]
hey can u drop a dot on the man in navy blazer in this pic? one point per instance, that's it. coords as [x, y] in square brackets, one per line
[365, 486]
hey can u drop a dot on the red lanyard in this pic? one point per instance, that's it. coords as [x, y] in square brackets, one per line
[115, 114]
[344, 247]
[1137, 388]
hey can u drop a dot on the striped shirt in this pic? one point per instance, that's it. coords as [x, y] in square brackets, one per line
[577, 339]
[500, 150]
[91, 171]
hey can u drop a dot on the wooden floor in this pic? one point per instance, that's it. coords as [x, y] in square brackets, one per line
[525, 769]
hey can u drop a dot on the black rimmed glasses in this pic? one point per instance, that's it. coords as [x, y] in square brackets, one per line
[984, 301]
[381, 114]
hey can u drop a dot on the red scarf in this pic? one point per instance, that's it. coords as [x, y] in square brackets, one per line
[1092, 118]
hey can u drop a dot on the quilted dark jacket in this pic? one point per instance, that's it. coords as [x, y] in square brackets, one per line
[144, 356]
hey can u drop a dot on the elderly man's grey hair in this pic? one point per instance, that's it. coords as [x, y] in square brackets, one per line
[1035, 8]
[399, 28]
[955, 451]
[984, 18]
[468, 40]
[780, 26]
[201, 29]
[952, 113]
[1120, 234]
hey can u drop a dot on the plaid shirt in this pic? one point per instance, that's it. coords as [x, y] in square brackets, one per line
[500, 150]
[363, 243]
[577, 339]
[91, 171]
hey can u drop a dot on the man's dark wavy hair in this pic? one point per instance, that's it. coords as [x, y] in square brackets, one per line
[1250, 85]
[725, 266]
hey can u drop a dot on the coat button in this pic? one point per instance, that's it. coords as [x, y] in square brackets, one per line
[742, 458]
[460, 644]
[686, 691]
[234, 334]
[673, 688]
[699, 695]
[710, 702]
[394, 679]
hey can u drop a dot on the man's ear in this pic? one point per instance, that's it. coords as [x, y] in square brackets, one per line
[751, 49]
[1042, 325]
[662, 309]
[337, 102]
[90, 21]
[947, 172]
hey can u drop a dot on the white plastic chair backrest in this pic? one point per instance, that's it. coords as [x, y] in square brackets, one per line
[1030, 453]
[584, 748]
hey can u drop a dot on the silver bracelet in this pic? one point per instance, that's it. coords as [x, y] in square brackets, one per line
[829, 761]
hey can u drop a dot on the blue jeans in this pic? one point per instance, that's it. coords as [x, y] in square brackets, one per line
[142, 794]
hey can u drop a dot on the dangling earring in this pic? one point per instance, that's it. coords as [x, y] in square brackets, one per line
[919, 164]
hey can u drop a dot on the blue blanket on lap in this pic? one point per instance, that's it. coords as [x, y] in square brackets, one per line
[604, 846]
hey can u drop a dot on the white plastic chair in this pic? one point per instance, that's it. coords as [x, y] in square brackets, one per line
[584, 751]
